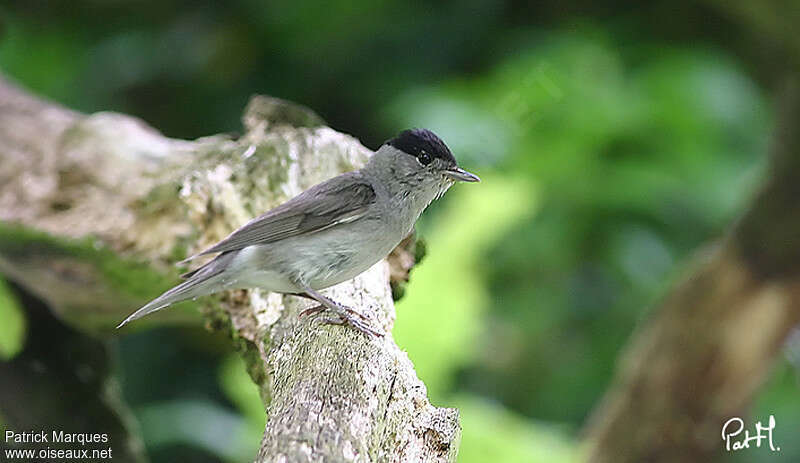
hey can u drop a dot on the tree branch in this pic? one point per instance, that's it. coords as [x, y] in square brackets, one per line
[95, 210]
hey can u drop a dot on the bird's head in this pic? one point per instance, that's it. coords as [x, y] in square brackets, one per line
[417, 158]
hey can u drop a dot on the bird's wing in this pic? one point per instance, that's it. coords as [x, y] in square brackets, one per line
[339, 200]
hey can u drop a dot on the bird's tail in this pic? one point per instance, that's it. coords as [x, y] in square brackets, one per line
[201, 282]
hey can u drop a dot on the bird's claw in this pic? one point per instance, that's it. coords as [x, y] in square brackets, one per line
[312, 311]
[345, 317]
[356, 313]
[339, 319]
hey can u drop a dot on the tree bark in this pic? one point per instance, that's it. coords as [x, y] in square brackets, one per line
[96, 209]
[707, 349]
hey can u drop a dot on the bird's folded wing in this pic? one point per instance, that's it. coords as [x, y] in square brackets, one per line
[341, 199]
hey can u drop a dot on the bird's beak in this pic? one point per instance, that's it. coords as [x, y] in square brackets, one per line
[460, 175]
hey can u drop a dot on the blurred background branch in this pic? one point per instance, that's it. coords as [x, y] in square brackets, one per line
[718, 333]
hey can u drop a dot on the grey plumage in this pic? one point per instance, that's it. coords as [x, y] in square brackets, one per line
[199, 282]
[340, 199]
[330, 232]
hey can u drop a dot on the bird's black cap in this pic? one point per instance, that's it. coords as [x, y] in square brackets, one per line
[418, 141]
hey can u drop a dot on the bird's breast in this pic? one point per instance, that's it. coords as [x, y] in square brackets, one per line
[329, 257]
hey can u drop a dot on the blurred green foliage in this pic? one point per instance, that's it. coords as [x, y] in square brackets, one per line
[610, 150]
[444, 311]
[197, 423]
[635, 167]
[494, 433]
[239, 388]
[12, 324]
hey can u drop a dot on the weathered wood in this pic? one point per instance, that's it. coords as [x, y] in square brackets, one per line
[96, 209]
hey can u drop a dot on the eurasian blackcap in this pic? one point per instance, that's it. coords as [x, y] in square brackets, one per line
[331, 232]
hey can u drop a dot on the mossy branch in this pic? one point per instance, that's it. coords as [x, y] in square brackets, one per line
[95, 210]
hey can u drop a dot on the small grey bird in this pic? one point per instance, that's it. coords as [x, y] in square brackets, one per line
[329, 233]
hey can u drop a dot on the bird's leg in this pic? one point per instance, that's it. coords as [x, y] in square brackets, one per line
[310, 310]
[345, 315]
[320, 308]
[302, 295]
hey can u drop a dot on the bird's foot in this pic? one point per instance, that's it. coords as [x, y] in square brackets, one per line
[342, 315]
[312, 310]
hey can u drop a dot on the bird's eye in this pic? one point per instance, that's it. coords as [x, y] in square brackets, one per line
[424, 158]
